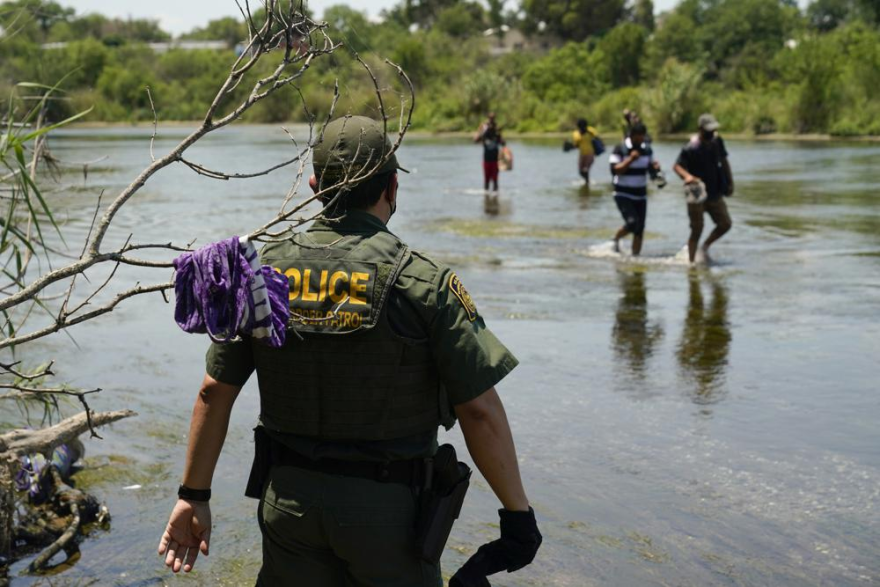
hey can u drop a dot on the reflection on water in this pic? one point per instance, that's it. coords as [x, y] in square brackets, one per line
[705, 341]
[587, 196]
[634, 337]
[491, 205]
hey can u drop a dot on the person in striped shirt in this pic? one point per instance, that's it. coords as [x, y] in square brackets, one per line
[631, 162]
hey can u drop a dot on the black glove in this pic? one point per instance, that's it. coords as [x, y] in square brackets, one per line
[519, 542]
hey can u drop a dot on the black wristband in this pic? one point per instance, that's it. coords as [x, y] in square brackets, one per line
[184, 492]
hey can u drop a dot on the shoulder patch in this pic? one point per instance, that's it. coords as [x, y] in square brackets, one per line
[463, 296]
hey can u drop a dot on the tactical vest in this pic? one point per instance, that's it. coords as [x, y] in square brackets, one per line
[344, 374]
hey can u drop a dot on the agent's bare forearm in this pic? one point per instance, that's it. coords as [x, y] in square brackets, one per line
[490, 443]
[207, 431]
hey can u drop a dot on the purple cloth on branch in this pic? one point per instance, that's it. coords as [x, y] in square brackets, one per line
[221, 290]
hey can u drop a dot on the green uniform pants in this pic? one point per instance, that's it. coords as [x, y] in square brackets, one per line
[323, 530]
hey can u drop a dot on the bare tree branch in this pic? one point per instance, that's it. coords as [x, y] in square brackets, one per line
[25, 441]
[155, 124]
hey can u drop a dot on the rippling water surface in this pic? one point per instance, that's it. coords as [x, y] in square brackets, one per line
[675, 427]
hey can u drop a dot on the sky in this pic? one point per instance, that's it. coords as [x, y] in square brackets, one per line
[179, 16]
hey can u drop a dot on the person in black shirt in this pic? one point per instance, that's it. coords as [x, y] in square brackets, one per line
[490, 135]
[704, 159]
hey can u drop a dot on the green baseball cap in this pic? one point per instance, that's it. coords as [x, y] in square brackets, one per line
[708, 122]
[353, 144]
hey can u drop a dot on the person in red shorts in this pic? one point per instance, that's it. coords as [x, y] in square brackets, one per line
[490, 135]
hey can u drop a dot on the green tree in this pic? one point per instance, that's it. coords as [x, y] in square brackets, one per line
[570, 72]
[126, 87]
[464, 19]
[229, 29]
[674, 100]
[411, 56]
[643, 14]
[496, 13]
[483, 92]
[623, 49]
[827, 15]
[731, 25]
[95, 26]
[423, 13]
[574, 19]
[676, 38]
[350, 26]
[39, 16]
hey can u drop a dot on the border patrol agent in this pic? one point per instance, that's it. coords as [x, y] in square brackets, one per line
[388, 346]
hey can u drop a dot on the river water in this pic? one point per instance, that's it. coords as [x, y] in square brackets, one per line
[681, 427]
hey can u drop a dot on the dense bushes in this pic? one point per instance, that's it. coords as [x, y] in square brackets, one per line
[761, 66]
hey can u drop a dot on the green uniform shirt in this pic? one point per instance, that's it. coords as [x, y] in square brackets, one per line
[428, 302]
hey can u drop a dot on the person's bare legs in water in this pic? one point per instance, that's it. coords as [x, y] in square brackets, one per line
[719, 231]
[636, 244]
[717, 211]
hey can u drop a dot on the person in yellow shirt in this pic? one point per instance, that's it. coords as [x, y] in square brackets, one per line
[583, 139]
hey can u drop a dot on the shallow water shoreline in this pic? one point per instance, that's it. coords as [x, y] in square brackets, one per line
[422, 133]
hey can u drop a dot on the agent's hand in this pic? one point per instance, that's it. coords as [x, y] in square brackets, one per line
[188, 533]
[690, 179]
[517, 547]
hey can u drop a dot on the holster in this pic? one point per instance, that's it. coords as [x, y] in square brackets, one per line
[441, 501]
[262, 464]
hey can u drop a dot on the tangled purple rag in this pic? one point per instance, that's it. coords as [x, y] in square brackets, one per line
[222, 290]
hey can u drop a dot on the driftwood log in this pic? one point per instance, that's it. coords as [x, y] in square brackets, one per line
[18, 443]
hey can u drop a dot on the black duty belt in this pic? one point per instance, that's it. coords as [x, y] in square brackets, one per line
[410, 473]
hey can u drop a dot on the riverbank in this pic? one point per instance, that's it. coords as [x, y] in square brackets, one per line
[423, 133]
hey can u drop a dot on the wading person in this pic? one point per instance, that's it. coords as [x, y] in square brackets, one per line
[582, 139]
[630, 119]
[704, 159]
[388, 347]
[631, 162]
[489, 134]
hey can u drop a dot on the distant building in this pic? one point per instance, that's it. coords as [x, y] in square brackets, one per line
[189, 46]
[160, 48]
[516, 41]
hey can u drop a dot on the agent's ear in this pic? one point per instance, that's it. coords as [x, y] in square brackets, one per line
[313, 183]
[391, 190]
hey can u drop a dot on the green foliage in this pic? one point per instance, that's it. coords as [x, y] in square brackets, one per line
[229, 29]
[675, 39]
[350, 26]
[826, 15]
[25, 212]
[674, 102]
[412, 57]
[483, 92]
[643, 14]
[572, 71]
[760, 65]
[730, 26]
[422, 13]
[574, 19]
[462, 20]
[812, 68]
[623, 48]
